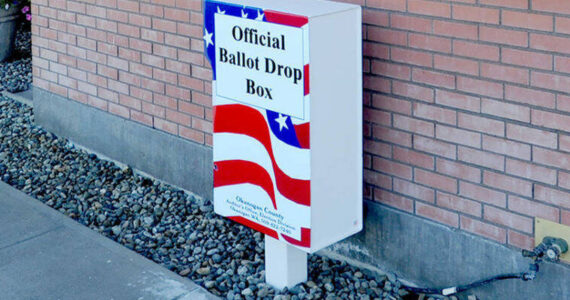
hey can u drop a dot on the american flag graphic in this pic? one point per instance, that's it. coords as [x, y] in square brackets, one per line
[261, 157]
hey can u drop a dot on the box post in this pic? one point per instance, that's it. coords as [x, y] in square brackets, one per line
[285, 265]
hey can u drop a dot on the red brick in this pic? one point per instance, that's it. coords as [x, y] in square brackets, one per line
[520, 240]
[377, 179]
[531, 171]
[508, 219]
[387, 36]
[435, 180]
[177, 41]
[376, 83]
[428, 42]
[429, 8]
[435, 147]
[550, 43]
[505, 73]
[435, 113]
[455, 29]
[532, 135]
[481, 124]
[412, 91]
[393, 200]
[506, 110]
[480, 87]
[533, 209]
[136, 44]
[562, 25]
[191, 134]
[164, 25]
[526, 58]
[503, 36]
[551, 120]
[475, 14]
[167, 126]
[562, 64]
[506, 3]
[508, 183]
[529, 96]
[481, 158]
[165, 51]
[378, 148]
[119, 110]
[561, 7]
[391, 104]
[393, 136]
[399, 5]
[392, 168]
[455, 64]
[375, 50]
[482, 194]
[177, 92]
[414, 125]
[458, 136]
[457, 100]
[411, 57]
[390, 70]
[142, 118]
[374, 17]
[457, 169]
[410, 23]
[527, 20]
[459, 204]
[506, 147]
[566, 217]
[97, 103]
[413, 157]
[163, 75]
[551, 158]
[564, 142]
[487, 230]
[433, 78]
[413, 190]
[437, 214]
[141, 94]
[475, 50]
[552, 196]
[563, 102]
[377, 116]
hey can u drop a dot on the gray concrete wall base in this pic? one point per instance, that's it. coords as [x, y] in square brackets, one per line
[183, 163]
[416, 249]
[433, 255]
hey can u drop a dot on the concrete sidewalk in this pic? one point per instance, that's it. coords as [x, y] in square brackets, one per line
[46, 255]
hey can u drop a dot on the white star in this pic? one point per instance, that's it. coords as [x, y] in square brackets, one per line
[208, 38]
[282, 120]
[243, 14]
[260, 16]
[221, 12]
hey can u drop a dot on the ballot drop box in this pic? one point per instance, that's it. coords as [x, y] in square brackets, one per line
[287, 117]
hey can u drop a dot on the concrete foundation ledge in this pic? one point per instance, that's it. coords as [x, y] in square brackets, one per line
[170, 158]
[433, 255]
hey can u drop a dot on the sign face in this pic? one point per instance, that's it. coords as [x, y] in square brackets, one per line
[260, 64]
[261, 104]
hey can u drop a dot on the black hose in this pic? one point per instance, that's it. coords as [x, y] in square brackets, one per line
[461, 288]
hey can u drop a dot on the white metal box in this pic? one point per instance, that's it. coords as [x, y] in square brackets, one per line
[287, 96]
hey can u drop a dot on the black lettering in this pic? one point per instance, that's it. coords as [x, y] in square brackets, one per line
[269, 65]
[223, 55]
[235, 31]
[250, 86]
[298, 76]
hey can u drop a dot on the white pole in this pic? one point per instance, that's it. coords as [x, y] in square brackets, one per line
[285, 265]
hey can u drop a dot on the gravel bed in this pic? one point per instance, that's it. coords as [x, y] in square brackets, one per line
[165, 224]
[16, 72]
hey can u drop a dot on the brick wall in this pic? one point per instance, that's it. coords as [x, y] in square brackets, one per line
[467, 102]
[141, 60]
